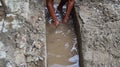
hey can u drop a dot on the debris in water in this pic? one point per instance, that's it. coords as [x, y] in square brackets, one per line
[67, 45]
[2, 54]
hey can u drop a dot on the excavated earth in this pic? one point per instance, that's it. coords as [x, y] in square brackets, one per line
[22, 34]
[99, 22]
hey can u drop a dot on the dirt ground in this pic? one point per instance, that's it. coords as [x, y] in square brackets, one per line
[22, 34]
[100, 24]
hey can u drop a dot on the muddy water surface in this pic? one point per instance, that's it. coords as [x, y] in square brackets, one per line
[61, 46]
[61, 43]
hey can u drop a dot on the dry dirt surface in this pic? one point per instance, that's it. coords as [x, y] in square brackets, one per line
[100, 32]
[22, 34]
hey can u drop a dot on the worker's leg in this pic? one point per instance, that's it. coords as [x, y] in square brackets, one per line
[69, 9]
[52, 12]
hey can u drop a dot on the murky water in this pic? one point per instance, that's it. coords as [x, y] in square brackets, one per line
[61, 45]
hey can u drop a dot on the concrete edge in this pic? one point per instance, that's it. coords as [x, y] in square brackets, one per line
[77, 21]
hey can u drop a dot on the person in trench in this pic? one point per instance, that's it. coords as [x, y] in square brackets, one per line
[51, 10]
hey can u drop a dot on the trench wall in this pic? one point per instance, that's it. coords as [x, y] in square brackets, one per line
[98, 24]
[23, 34]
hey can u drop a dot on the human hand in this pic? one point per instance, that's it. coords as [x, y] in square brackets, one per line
[65, 20]
[55, 22]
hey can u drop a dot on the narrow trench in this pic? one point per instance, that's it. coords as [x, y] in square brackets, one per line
[61, 43]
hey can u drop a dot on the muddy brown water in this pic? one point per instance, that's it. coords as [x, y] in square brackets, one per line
[61, 43]
[61, 46]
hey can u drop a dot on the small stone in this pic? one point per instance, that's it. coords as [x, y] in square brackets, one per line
[8, 64]
[2, 54]
[39, 18]
[30, 58]
[20, 59]
[9, 19]
[37, 44]
[67, 45]
[5, 30]
[36, 58]
[1, 45]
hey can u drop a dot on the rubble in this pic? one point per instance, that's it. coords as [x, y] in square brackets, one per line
[22, 34]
